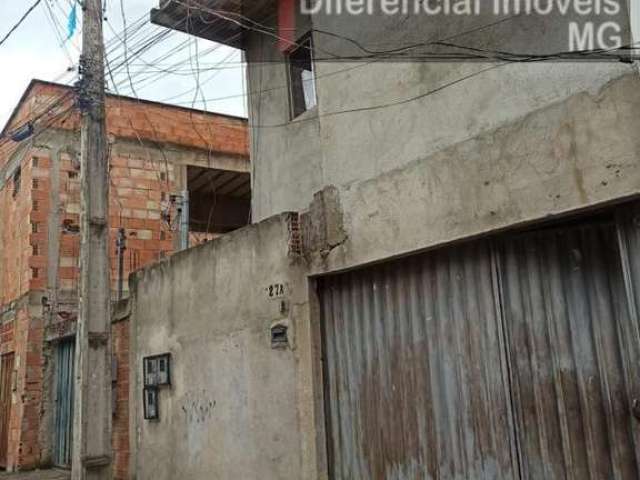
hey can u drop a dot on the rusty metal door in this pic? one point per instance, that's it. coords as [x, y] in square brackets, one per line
[515, 360]
[416, 378]
[6, 376]
[573, 353]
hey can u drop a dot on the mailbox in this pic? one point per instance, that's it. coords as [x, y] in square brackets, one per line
[151, 403]
[156, 373]
[157, 370]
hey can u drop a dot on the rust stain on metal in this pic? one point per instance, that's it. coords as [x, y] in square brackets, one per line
[390, 425]
[416, 382]
[509, 359]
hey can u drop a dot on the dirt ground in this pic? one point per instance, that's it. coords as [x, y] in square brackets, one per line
[37, 475]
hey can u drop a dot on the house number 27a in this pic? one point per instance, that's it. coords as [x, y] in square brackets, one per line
[275, 290]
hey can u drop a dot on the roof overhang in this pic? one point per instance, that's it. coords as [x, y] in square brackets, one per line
[221, 21]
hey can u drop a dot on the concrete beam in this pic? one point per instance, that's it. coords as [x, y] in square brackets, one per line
[214, 19]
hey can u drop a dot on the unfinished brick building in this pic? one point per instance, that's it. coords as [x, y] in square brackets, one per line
[157, 153]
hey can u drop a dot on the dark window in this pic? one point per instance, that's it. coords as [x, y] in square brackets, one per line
[17, 180]
[69, 226]
[302, 82]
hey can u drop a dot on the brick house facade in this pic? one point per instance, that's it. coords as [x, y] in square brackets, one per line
[156, 151]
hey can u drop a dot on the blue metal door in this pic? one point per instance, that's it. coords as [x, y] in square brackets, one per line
[64, 380]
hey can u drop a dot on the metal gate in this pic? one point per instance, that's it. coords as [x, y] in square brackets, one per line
[512, 359]
[573, 353]
[6, 375]
[417, 385]
[64, 381]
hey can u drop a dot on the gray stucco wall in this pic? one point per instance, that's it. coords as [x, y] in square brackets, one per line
[510, 145]
[237, 408]
[572, 155]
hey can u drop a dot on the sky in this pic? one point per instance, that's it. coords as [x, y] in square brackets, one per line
[38, 49]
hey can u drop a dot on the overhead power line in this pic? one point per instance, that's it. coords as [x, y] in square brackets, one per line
[24, 17]
[126, 47]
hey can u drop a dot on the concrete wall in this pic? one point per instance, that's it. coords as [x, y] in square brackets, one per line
[510, 145]
[507, 147]
[572, 155]
[237, 408]
[22, 326]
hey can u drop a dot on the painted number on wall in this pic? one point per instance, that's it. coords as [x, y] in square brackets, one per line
[275, 290]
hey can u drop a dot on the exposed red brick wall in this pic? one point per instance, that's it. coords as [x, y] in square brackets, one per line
[140, 120]
[129, 119]
[21, 321]
[22, 335]
[22, 226]
[37, 192]
[7, 336]
[139, 187]
[120, 437]
[15, 235]
[31, 392]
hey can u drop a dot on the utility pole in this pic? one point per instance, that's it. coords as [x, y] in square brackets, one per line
[181, 201]
[184, 220]
[92, 404]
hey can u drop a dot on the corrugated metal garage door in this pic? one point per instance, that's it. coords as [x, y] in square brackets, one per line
[479, 362]
[573, 354]
[416, 382]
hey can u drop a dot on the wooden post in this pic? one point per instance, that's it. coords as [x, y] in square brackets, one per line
[92, 403]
